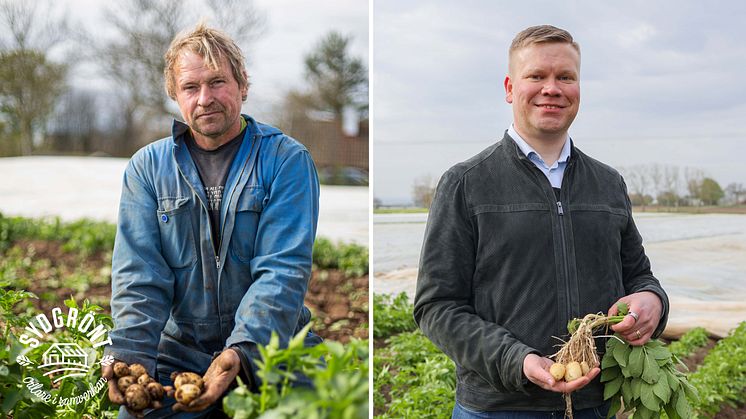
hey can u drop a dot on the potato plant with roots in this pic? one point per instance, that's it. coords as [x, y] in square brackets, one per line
[644, 377]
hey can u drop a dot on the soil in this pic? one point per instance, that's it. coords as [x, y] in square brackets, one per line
[339, 304]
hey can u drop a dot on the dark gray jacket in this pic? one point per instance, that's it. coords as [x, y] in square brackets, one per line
[505, 265]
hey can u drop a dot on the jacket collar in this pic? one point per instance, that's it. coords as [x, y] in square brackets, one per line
[514, 150]
[179, 128]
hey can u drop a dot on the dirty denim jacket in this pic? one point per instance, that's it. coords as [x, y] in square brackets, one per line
[176, 303]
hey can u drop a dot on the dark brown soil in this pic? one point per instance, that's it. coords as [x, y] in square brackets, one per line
[339, 304]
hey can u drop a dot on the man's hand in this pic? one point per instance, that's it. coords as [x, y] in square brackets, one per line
[648, 307]
[115, 395]
[218, 377]
[536, 369]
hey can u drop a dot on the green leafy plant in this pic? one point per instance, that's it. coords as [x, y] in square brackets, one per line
[350, 258]
[645, 378]
[339, 375]
[689, 342]
[392, 316]
[722, 376]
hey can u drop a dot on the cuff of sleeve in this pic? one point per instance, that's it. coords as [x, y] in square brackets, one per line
[247, 353]
[516, 380]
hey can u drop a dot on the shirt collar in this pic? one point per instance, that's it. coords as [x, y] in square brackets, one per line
[528, 150]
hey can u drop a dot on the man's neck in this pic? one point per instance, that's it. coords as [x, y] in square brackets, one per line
[548, 147]
[211, 143]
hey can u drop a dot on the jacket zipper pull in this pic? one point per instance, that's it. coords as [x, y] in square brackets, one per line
[559, 208]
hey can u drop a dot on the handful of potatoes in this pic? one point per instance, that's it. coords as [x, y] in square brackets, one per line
[140, 390]
[570, 372]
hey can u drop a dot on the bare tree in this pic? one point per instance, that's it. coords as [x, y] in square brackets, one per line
[638, 181]
[423, 190]
[735, 192]
[29, 82]
[656, 179]
[694, 178]
[73, 126]
[669, 194]
[29, 25]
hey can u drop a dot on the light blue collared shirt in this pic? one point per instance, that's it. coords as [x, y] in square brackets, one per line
[554, 172]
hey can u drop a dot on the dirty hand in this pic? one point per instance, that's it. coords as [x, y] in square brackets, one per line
[115, 395]
[217, 379]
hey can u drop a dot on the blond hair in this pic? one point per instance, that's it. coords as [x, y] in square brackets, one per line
[541, 34]
[210, 44]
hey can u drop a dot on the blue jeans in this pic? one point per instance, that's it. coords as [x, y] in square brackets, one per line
[460, 412]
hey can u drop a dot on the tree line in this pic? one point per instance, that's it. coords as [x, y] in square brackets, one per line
[41, 48]
[648, 184]
[672, 186]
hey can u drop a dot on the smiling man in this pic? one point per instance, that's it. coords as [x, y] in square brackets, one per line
[215, 233]
[525, 236]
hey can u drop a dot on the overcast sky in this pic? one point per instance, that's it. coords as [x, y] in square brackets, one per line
[661, 82]
[275, 60]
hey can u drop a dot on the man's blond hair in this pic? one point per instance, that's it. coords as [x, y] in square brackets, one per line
[538, 35]
[210, 44]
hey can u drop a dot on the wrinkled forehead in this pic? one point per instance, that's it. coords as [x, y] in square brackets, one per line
[190, 63]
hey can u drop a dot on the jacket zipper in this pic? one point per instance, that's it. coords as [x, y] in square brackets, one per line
[561, 213]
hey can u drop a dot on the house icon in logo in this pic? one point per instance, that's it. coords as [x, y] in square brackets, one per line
[65, 357]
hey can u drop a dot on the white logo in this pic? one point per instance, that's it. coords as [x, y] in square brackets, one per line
[63, 359]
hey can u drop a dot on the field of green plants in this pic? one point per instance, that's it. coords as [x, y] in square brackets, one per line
[47, 264]
[413, 379]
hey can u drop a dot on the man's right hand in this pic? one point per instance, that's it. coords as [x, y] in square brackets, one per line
[115, 395]
[536, 369]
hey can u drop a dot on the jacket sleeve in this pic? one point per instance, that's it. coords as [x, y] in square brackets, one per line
[142, 283]
[636, 273]
[281, 265]
[443, 306]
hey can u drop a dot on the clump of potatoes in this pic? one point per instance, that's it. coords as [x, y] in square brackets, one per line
[188, 386]
[140, 390]
[570, 372]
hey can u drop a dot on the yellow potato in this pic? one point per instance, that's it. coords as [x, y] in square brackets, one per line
[585, 367]
[188, 378]
[557, 370]
[186, 393]
[136, 370]
[573, 371]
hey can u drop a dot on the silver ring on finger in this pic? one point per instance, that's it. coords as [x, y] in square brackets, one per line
[638, 334]
[634, 315]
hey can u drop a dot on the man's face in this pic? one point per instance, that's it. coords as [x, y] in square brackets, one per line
[544, 88]
[209, 100]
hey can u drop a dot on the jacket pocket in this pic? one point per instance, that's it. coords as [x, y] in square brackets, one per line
[177, 236]
[248, 211]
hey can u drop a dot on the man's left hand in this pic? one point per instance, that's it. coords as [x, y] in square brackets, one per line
[217, 379]
[648, 307]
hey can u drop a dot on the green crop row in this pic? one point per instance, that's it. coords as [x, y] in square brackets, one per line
[86, 237]
[722, 376]
[392, 315]
[350, 258]
[689, 342]
[412, 378]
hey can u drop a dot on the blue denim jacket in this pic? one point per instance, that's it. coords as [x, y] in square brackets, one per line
[175, 303]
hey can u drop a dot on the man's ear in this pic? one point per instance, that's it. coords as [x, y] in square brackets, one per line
[508, 89]
[245, 88]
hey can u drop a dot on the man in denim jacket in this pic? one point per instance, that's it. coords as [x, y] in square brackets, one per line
[522, 238]
[215, 233]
